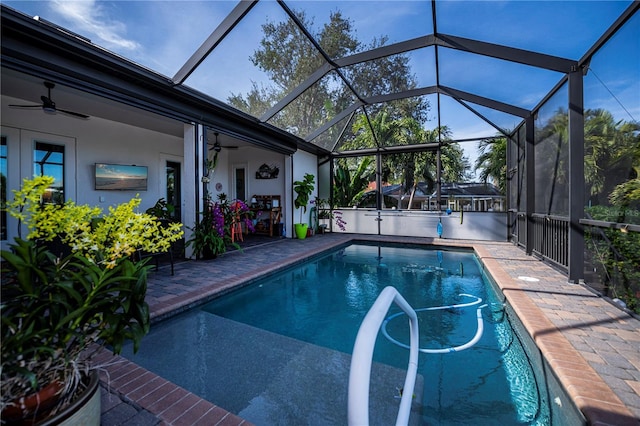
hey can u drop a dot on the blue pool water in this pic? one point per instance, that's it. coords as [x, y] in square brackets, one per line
[277, 351]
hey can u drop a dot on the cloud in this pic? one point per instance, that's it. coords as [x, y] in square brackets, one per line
[90, 19]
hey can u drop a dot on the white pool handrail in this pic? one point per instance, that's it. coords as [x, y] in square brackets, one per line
[470, 343]
[362, 358]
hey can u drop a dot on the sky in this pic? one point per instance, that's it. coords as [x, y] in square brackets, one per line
[162, 35]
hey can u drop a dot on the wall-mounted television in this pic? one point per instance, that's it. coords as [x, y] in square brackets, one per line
[119, 177]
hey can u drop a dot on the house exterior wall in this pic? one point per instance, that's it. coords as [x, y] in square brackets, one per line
[98, 140]
[86, 142]
[303, 162]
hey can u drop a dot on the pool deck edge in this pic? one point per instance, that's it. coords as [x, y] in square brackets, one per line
[593, 397]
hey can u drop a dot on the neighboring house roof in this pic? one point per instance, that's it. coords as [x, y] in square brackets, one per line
[469, 189]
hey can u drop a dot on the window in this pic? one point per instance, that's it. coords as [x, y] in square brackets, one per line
[240, 180]
[49, 160]
[173, 187]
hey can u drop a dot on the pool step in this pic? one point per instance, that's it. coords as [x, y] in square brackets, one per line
[264, 377]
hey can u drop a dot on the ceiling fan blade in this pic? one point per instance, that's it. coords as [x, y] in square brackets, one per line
[49, 106]
[25, 106]
[74, 114]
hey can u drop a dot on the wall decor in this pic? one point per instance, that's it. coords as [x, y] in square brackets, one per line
[119, 177]
[267, 172]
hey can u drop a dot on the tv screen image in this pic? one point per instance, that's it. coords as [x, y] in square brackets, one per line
[120, 177]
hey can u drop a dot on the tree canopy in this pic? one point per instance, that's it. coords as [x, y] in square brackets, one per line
[288, 58]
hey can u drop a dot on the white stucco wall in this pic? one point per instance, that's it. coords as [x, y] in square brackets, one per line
[303, 162]
[102, 141]
[86, 143]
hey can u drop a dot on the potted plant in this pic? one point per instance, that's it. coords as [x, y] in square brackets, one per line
[326, 214]
[208, 234]
[162, 210]
[58, 310]
[211, 235]
[303, 189]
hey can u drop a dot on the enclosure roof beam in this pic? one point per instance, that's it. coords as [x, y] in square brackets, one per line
[482, 117]
[489, 103]
[454, 93]
[225, 27]
[526, 57]
[384, 51]
[292, 95]
[390, 150]
[344, 113]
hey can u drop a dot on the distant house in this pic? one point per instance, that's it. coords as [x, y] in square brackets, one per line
[470, 196]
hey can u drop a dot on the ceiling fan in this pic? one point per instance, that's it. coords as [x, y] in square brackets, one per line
[217, 147]
[49, 106]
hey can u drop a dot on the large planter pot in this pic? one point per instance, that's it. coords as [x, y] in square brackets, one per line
[208, 254]
[301, 230]
[84, 411]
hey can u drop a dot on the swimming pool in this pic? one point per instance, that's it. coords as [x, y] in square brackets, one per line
[277, 352]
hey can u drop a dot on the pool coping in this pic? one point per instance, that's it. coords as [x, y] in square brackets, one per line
[198, 282]
[590, 393]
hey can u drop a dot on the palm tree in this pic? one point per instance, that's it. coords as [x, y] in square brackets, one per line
[492, 162]
[349, 182]
[611, 153]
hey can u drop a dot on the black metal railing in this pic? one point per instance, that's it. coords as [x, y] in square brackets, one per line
[517, 223]
[551, 239]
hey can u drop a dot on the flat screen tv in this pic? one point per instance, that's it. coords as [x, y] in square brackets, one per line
[118, 177]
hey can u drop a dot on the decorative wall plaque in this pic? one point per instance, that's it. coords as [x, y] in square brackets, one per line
[267, 172]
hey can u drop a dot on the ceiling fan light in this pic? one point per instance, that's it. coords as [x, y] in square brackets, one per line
[216, 146]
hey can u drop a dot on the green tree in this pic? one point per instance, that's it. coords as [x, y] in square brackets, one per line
[351, 179]
[410, 167]
[492, 162]
[612, 154]
[288, 58]
[407, 168]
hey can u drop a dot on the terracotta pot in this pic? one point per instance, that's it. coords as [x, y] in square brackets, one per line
[31, 408]
[84, 411]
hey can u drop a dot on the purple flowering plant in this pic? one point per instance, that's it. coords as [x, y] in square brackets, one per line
[340, 223]
[211, 235]
[241, 211]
